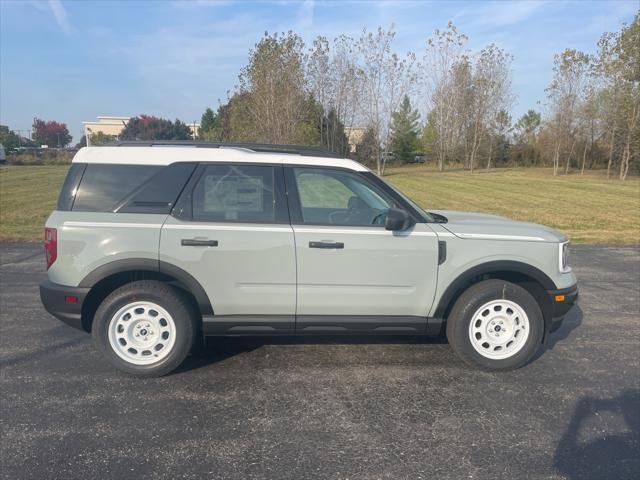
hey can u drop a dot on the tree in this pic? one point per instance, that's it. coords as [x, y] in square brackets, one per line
[332, 133]
[366, 149]
[51, 133]
[588, 123]
[385, 79]
[320, 82]
[404, 131]
[209, 126]
[527, 127]
[277, 102]
[444, 52]
[332, 79]
[10, 139]
[490, 94]
[100, 138]
[618, 66]
[429, 136]
[499, 128]
[565, 92]
[147, 127]
[235, 120]
[527, 131]
[81, 143]
[466, 96]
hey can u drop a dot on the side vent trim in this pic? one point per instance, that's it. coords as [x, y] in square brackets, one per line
[442, 251]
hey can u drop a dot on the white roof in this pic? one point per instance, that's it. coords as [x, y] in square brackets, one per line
[165, 155]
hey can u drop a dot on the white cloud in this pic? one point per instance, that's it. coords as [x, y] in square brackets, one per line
[60, 14]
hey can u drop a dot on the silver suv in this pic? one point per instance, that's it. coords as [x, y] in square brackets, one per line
[153, 246]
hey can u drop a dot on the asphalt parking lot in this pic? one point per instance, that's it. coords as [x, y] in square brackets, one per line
[282, 408]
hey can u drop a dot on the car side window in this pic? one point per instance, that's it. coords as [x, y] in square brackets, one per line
[336, 197]
[235, 193]
[104, 186]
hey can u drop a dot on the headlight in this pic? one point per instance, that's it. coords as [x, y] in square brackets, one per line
[563, 256]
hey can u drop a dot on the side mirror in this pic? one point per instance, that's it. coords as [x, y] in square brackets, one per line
[396, 220]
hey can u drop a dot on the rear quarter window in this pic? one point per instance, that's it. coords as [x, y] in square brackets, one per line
[104, 187]
[160, 192]
[70, 186]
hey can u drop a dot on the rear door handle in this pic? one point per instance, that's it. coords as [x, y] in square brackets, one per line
[326, 245]
[192, 242]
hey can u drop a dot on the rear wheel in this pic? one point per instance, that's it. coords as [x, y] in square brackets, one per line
[496, 325]
[145, 328]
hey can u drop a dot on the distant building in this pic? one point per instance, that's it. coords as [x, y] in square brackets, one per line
[115, 125]
[354, 137]
[107, 125]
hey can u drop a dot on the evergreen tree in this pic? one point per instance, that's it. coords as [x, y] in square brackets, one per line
[367, 148]
[333, 134]
[209, 126]
[404, 131]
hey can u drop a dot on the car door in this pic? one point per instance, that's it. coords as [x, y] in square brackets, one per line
[230, 230]
[353, 274]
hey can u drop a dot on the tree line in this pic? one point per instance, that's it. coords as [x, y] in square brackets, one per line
[594, 106]
[446, 102]
[289, 93]
[50, 133]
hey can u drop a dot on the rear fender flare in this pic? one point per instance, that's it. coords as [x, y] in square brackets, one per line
[150, 265]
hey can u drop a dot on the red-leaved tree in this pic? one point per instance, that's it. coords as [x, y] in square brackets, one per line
[51, 133]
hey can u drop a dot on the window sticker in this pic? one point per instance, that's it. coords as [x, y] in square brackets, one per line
[233, 194]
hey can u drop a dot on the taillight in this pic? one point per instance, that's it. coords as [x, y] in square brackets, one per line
[50, 245]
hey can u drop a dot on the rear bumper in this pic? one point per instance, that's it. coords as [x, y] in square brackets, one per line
[58, 301]
[562, 301]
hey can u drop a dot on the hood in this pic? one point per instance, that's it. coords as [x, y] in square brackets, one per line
[487, 227]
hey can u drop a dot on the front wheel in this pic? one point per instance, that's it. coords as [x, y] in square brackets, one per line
[496, 325]
[145, 328]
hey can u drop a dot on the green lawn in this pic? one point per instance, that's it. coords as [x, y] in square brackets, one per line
[27, 196]
[589, 208]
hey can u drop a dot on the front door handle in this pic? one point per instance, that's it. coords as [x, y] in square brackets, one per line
[192, 242]
[326, 245]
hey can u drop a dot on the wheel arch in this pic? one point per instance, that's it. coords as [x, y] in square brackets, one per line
[106, 278]
[532, 279]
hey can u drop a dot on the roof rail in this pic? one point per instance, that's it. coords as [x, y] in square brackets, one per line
[255, 147]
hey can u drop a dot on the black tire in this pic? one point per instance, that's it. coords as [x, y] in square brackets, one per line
[165, 296]
[475, 297]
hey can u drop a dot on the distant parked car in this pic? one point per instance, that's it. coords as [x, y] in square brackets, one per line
[152, 247]
[418, 158]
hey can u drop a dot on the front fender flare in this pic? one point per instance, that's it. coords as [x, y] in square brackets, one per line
[508, 266]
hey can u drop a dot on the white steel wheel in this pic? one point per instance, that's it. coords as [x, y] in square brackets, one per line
[499, 329]
[142, 333]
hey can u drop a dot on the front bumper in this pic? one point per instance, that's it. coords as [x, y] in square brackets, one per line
[58, 301]
[561, 302]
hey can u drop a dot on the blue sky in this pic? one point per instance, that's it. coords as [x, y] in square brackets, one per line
[73, 60]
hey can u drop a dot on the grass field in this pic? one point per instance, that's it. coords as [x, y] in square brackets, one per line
[589, 208]
[27, 196]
